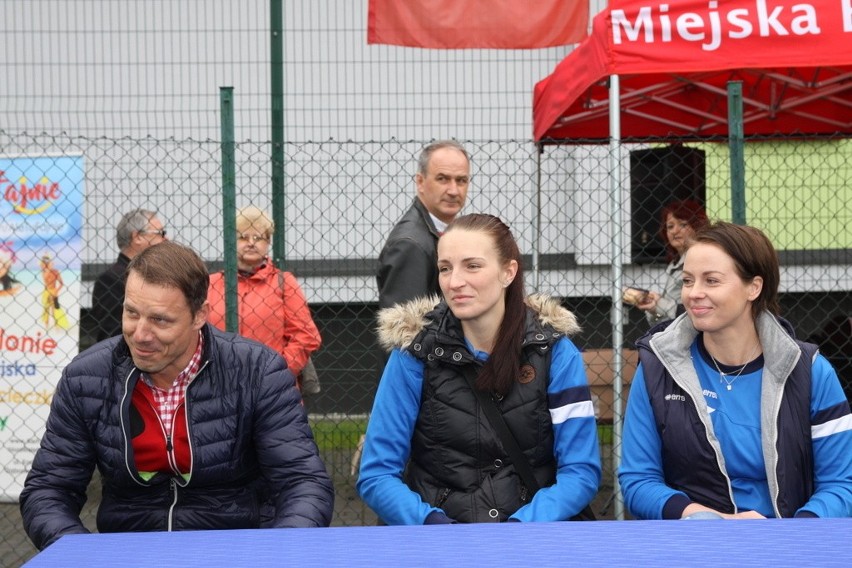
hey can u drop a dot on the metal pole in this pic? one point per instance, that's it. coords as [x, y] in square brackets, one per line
[736, 144]
[276, 58]
[537, 221]
[617, 282]
[229, 209]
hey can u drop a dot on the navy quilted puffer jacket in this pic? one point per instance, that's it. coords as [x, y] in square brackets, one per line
[249, 438]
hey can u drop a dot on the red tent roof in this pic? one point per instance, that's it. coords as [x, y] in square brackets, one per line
[674, 62]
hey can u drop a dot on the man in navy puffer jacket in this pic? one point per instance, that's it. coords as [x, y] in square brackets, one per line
[190, 428]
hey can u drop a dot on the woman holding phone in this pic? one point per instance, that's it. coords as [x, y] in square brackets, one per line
[679, 222]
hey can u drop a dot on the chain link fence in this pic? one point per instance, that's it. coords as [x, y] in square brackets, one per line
[342, 199]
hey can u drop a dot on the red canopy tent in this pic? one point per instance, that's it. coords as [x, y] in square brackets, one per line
[675, 59]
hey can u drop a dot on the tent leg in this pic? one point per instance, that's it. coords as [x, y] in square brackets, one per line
[617, 277]
[736, 144]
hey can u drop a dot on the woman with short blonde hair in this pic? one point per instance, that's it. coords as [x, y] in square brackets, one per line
[272, 307]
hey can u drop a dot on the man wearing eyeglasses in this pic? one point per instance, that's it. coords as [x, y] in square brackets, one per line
[136, 231]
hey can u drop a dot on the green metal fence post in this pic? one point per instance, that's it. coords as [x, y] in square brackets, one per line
[229, 209]
[736, 143]
[276, 58]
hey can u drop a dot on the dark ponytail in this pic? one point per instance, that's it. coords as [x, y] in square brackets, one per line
[499, 373]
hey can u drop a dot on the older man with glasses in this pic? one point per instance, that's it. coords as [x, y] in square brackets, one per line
[136, 231]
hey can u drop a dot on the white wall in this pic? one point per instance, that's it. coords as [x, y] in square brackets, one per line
[154, 67]
[136, 85]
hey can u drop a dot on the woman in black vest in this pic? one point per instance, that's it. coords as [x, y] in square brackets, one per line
[483, 413]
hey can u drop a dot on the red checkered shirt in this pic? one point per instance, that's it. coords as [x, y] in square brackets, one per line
[168, 400]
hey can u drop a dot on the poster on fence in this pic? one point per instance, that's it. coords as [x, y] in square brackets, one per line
[40, 264]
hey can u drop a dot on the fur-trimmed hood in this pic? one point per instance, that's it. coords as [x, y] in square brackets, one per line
[400, 324]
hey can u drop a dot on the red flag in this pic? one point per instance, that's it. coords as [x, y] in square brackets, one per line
[491, 24]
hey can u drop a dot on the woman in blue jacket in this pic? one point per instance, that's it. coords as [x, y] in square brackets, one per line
[728, 413]
[431, 455]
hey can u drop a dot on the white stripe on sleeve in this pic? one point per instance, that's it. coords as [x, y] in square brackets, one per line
[835, 426]
[581, 409]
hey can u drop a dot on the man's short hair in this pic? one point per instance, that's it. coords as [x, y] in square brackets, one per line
[426, 153]
[132, 221]
[175, 266]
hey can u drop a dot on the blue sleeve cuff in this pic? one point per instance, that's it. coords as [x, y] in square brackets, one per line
[673, 509]
[803, 514]
[438, 518]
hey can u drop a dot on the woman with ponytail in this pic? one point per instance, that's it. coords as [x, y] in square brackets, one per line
[432, 452]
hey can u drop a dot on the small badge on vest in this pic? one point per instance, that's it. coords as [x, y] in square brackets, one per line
[527, 374]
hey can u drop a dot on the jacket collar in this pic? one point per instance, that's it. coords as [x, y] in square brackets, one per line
[400, 324]
[425, 216]
[123, 362]
[262, 272]
[780, 350]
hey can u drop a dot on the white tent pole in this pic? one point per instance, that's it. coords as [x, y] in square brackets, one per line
[539, 149]
[617, 277]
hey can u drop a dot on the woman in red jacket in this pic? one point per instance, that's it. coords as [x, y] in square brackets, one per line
[271, 305]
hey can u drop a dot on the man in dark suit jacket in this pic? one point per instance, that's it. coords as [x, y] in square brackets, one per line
[408, 264]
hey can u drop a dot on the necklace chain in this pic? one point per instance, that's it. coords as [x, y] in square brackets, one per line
[723, 377]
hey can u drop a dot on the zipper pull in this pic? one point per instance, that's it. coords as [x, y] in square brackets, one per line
[168, 443]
